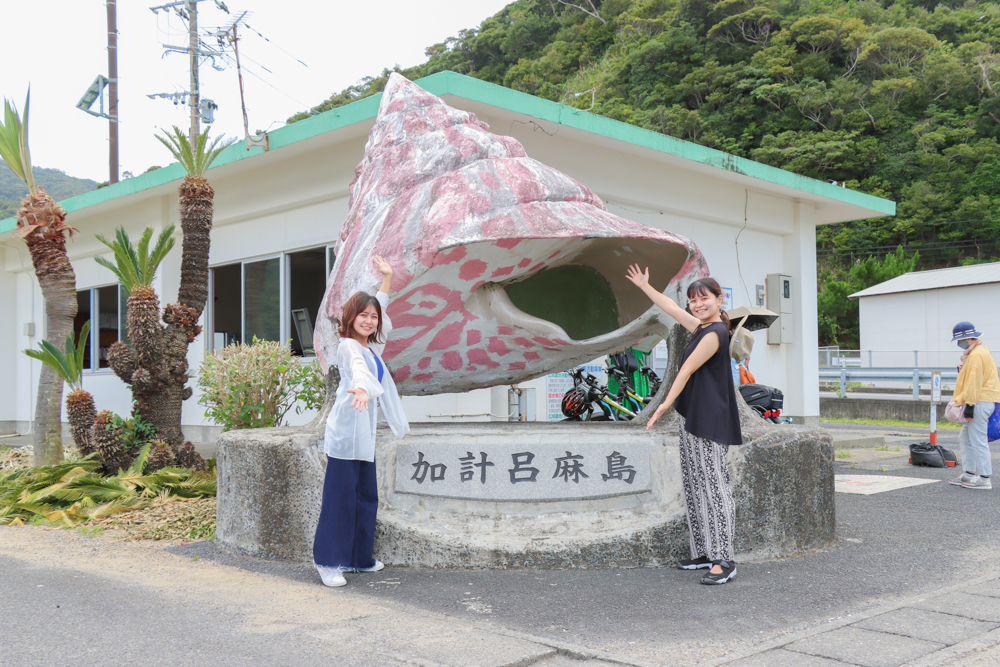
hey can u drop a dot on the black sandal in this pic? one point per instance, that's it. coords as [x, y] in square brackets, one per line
[727, 574]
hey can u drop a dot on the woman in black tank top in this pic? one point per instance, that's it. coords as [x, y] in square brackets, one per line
[705, 397]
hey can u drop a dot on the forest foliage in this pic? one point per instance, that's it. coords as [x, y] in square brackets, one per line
[56, 183]
[896, 99]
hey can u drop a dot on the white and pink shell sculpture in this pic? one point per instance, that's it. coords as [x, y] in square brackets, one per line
[505, 269]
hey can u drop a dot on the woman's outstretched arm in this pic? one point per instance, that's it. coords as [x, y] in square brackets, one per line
[641, 280]
[386, 270]
[707, 347]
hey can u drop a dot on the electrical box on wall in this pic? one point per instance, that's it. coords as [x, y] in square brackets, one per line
[779, 300]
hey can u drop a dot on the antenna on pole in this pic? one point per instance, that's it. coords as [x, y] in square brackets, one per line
[260, 140]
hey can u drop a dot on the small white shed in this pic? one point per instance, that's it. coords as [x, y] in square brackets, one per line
[917, 311]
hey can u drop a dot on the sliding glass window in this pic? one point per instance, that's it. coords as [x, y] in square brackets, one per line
[272, 298]
[104, 307]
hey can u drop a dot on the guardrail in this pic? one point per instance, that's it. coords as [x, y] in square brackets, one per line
[834, 357]
[916, 375]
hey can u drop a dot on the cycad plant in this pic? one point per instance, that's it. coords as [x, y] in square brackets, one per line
[72, 492]
[137, 363]
[181, 318]
[41, 222]
[68, 366]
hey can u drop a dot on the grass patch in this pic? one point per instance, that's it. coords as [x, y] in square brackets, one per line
[886, 448]
[843, 453]
[941, 425]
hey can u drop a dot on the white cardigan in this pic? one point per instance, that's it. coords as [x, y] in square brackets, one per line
[351, 434]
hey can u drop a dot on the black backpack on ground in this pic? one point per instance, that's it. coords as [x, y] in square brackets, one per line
[934, 456]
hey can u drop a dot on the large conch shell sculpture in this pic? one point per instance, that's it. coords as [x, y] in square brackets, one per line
[505, 269]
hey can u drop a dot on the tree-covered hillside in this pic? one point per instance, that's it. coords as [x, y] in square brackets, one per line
[56, 183]
[897, 99]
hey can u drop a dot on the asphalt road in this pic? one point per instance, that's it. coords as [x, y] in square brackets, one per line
[62, 616]
[890, 546]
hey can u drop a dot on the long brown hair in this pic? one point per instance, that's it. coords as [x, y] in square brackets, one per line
[352, 308]
[701, 286]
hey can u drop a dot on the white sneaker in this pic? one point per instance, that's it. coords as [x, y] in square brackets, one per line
[331, 576]
[374, 568]
[962, 479]
[978, 482]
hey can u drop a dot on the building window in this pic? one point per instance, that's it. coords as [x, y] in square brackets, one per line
[104, 307]
[271, 298]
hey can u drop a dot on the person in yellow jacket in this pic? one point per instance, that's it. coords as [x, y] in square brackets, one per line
[978, 388]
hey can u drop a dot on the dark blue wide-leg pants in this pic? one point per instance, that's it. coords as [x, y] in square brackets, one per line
[345, 535]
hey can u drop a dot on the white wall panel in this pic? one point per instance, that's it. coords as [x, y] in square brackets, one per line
[923, 320]
[11, 339]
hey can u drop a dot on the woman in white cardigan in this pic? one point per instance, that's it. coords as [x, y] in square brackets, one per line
[345, 535]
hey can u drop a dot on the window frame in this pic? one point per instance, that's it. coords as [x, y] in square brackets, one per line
[283, 293]
[93, 337]
[284, 269]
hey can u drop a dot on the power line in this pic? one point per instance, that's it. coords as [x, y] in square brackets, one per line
[275, 45]
[928, 250]
[922, 224]
[965, 243]
[266, 82]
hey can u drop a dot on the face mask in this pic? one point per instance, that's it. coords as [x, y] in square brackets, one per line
[964, 344]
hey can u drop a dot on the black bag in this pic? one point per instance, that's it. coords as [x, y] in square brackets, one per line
[626, 362]
[934, 456]
[768, 398]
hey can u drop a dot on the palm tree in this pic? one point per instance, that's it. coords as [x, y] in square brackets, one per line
[196, 197]
[68, 365]
[41, 222]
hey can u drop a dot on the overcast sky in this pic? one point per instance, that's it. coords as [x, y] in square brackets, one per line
[60, 46]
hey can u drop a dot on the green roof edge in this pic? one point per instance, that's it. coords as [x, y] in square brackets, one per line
[452, 83]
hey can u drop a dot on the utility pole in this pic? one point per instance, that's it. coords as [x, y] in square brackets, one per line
[194, 50]
[112, 90]
[201, 109]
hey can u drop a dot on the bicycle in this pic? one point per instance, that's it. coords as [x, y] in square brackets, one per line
[626, 392]
[585, 393]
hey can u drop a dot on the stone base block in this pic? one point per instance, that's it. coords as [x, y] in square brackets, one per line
[499, 495]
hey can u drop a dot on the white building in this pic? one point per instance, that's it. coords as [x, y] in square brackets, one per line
[917, 311]
[278, 213]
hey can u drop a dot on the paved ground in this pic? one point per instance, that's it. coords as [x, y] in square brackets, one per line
[912, 579]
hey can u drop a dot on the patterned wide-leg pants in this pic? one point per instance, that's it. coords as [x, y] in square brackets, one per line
[708, 496]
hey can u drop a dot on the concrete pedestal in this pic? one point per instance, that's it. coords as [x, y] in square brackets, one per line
[463, 495]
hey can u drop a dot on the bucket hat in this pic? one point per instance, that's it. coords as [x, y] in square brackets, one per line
[964, 330]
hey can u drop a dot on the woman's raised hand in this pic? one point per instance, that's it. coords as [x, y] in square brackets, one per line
[360, 402]
[639, 278]
[383, 266]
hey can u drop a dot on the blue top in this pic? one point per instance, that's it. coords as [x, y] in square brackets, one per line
[378, 365]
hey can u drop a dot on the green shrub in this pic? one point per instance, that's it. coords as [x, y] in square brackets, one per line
[254, 386]
[136, 432]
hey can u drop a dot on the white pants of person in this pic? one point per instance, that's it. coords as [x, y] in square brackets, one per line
[976, 457]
